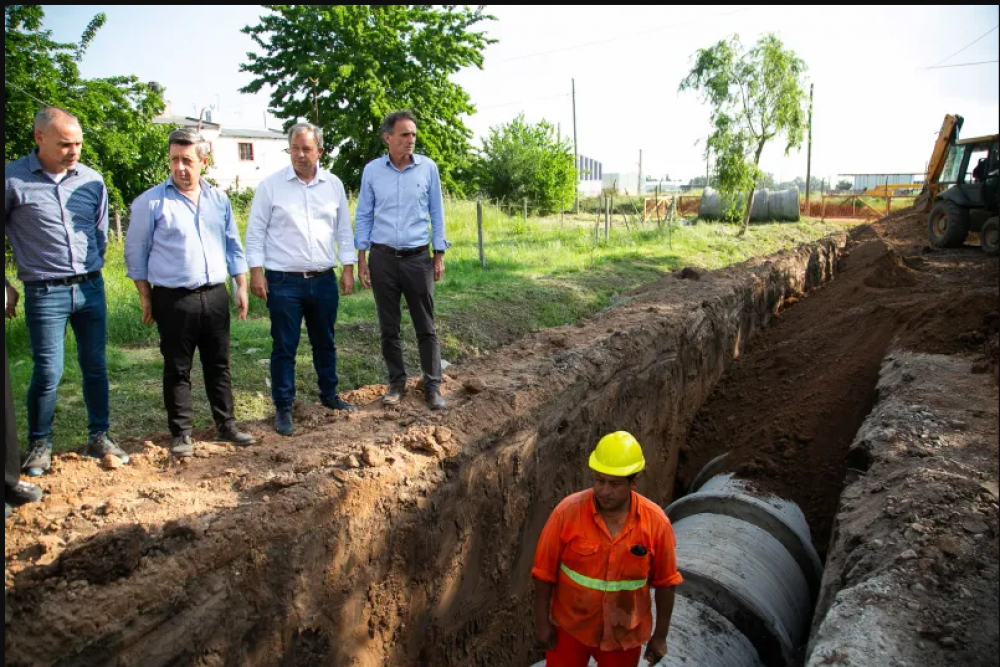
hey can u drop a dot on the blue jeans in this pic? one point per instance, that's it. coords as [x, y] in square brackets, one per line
[291, 298]
[48, 310]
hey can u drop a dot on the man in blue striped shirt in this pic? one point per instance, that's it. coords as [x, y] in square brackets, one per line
[183, 243]
[57, 225]
[400, 196]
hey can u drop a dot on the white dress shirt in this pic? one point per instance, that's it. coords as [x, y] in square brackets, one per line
[298, 227]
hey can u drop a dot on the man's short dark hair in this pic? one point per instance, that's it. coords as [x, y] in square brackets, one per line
[393, 119]
[187, 136]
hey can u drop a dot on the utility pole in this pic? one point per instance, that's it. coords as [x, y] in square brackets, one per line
[640, 189]
[576, 153]
[809, 167]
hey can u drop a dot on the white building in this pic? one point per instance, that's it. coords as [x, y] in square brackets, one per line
[239, 157]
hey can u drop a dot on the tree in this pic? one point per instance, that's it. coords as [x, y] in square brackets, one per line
[120, 139]
[845, 186]
[345, 67]
[521, 161]
[756, 96]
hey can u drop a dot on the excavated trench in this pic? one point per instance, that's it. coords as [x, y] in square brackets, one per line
[402, 540]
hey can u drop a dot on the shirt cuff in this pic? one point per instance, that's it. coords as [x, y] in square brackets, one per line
[256, 261]
[447, 246]
[138, 275]
[670, 582]
[349, 259]
[238, 268]
[544, 575]
[364, 246]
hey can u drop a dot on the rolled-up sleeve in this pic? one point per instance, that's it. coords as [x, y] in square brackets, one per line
[364, 217]
[138, 240]
[436, 204]
[665, 573]
[236, 259]
[260, 218]
[548, 555]
[345, 232]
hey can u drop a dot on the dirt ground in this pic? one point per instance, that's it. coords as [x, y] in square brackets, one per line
[788, 410]
[403, 539]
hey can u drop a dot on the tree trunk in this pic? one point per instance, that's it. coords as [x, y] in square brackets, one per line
[746, 214]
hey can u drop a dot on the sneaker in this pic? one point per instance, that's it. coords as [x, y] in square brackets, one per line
[182, 447]
[436, 402]
[23, 494]
[39, 459]
[230, 433]
[394, 397]
[284, 423]
[102, 445]
[338, 404]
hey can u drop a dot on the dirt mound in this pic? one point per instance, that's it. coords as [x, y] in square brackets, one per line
[789, 409]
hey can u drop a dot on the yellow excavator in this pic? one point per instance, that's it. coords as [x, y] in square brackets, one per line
[961, 189]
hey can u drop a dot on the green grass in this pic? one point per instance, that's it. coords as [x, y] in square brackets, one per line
[548, 272]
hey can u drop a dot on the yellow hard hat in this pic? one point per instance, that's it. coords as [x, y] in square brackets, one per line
[618, 455]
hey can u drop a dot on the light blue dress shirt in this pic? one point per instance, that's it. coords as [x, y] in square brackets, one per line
[395, 207]
[174, 243]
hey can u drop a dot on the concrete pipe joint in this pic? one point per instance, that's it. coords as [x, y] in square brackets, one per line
[748, 558]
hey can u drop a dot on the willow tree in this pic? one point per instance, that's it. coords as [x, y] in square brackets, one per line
[757, 96]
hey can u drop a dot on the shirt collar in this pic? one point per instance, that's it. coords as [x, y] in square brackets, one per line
[634, 515]
[206, 187]
[321, 174]
[36, 165]
[417, 161]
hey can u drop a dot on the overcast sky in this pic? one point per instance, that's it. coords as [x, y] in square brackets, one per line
[878, 107]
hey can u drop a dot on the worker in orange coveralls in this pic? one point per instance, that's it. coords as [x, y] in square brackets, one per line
[598, 557]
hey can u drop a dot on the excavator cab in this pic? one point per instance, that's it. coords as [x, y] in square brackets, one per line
[968, 187]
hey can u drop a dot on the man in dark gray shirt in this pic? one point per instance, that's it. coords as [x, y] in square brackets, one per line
[57, 225]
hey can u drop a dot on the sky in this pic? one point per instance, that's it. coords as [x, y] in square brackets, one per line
[878, 106]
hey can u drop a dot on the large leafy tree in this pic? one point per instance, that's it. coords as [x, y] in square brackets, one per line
[344, 67]
[520, 161]
[120, 139]
[757, 96]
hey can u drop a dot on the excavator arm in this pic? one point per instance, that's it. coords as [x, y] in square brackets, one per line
[950, 131]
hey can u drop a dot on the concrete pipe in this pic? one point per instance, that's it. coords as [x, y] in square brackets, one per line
[750, 558]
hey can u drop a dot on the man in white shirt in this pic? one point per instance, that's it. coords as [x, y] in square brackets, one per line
[299, 226]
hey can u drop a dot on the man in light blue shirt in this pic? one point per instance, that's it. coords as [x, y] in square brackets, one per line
[183, 243]
[400, 198]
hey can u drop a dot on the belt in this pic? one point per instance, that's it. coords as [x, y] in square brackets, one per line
[402, 254]
[187, 290]
[72, 280]
[307, 275]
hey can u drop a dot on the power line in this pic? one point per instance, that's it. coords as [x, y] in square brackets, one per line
[537, 99]
[985, 62]
[624, 37]
[966, 48]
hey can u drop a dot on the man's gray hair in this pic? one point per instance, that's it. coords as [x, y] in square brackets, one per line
[187, 136]
[306, 128]
[49, 115]
[390, 122]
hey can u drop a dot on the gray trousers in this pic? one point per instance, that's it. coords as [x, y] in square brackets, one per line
[413, 278]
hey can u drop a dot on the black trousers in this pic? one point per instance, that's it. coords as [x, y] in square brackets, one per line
[188, 321]
[12, 449]
[413, 278]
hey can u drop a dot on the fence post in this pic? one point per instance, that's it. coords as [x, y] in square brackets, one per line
[608, 206]
[525, 212]
[482, 246]
[118, 226]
